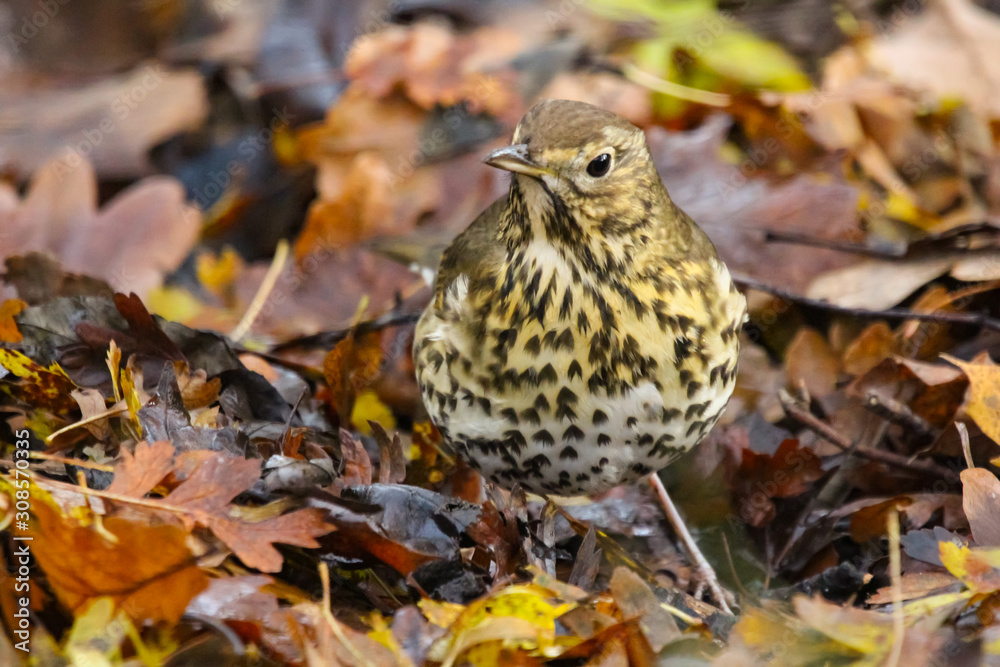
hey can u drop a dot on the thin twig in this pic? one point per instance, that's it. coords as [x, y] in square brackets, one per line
[110, 412]
[681, 92]
[263, 292]
[896, 579]
[831, 435]
[897, 412]
[973, 319]
[777, 236]
[333, 623]
[330, 338]
[79, 463]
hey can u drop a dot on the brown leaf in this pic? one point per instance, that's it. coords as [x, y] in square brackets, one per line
[736, 206]
[392, 464]
[498, 533]
[436, 66]
[810, 360]
[789, 472]
[215, 482]
[352, 365]
[980, 500]
[875, 284]
[635, 600]
[197, 390]
[951, 49]
[358, 468]
[870, 522]
[915, 585]
[875, 343]
[205, 494]
[143, 233]
[137, 474]
[149, 572]
[254, 541]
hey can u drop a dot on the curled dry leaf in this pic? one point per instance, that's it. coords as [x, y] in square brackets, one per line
[210, 482]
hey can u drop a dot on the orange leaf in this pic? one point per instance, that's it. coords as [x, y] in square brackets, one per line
[137, 474]
[81, 564]
[8, 327]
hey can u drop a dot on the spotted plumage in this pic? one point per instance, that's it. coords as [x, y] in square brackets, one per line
[584, 320]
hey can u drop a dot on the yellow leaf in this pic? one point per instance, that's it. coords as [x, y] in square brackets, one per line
[984, 394]
[441, 614]
[173, 303]
[954, 557]
[367, 406]
[219, 274]
[114, 365]
[47, 388]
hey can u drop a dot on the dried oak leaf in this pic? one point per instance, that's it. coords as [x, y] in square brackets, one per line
[204, 498]
[762, 477]
[82, 564]
[399, 525]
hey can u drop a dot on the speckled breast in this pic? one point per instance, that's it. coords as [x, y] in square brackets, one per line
[560, 385]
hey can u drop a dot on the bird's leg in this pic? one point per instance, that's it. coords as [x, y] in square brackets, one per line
[704, 570]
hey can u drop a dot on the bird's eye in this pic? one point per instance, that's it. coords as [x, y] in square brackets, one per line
[599, 165]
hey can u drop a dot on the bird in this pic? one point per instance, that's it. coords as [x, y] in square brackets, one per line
[583, 332]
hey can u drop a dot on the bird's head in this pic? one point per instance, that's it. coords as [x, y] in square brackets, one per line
[581, 173]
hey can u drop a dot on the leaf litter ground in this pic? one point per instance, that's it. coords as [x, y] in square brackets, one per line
[276, 496]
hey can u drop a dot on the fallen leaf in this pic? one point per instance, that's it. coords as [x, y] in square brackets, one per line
[40, 387]
[951, 50]
[8, 326]
[789, 472]
[914, 585]
[81, 564]
[436, 66]
[137, 238]
[876, 284]
[204, 498]
[358, 469]
[875, 343]
[983, 403]
[810, 360]
[137, 474]
[980, 500]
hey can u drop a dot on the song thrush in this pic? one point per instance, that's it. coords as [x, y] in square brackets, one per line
[583, 331]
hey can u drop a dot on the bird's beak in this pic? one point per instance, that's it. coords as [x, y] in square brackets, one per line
[515, 158]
